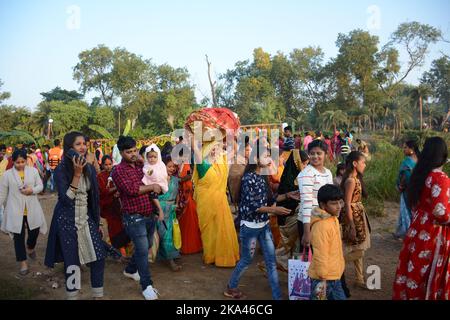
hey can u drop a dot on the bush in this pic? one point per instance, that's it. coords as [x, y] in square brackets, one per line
[381, 172]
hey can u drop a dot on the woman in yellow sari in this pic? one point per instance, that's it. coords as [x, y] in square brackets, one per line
[220, 243]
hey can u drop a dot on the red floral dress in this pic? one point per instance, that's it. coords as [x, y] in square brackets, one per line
[423, 272]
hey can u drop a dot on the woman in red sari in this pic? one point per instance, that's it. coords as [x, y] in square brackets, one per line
[110, 206]
[191, 241]
[423, 272]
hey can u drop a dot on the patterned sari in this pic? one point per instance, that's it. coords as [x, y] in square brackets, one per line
[168, 205]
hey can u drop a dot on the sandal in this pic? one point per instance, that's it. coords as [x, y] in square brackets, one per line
[234, 293]
[262, 266]
[175, 267]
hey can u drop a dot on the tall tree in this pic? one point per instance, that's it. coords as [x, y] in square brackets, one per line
[3, 95]
[58, 94]
[94, 72]
[438, 78]
[414, 38]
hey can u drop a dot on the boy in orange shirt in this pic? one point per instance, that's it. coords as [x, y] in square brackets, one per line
[328, 262]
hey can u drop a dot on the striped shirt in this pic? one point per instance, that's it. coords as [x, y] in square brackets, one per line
[310, 180]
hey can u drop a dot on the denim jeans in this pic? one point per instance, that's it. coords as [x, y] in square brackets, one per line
[52, 181]
[140, 229]
[334, 289]
[249, 237]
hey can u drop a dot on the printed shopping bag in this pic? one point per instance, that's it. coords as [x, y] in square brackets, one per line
[299, 283]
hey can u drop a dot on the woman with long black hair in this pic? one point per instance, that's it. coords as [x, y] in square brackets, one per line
[423, 268]
[256, 202]
[74, 236]
[355, 223]
[411, 152]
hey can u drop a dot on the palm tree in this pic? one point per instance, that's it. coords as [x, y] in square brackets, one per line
[39, 119]
[401, 113]
[419, 93]
[373, 111]
[334, 118]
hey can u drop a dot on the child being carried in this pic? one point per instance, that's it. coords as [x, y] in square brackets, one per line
[155, 172]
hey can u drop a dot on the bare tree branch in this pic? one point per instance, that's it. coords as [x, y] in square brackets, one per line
[211, 83]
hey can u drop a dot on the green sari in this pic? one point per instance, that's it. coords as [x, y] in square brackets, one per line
[167, 250]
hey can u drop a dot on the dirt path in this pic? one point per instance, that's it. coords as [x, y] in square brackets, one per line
[195, 281]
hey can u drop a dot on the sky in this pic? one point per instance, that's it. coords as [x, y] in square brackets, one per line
[40, 40]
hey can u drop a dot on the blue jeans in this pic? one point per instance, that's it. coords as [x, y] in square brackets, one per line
[334, 289]
[140, 229]
[248, 237]
[52, 181]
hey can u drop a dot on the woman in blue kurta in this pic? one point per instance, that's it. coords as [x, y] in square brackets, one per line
[169, 202]
[411, 152]
[74, 236]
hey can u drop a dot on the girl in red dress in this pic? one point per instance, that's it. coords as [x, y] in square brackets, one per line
[423, 269]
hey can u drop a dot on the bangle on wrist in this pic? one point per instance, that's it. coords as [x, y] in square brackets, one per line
[73, 187]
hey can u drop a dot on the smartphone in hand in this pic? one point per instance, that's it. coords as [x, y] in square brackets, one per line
[72, 153]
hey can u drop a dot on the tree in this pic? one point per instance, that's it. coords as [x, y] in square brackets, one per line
[438, 78]
[354, 69]
[14, 118]
[415, 39]
[334, 118]
[167, 105]
[400, 115]
[3, 95]
[103, 116]
[418, 94]
[94, 72]
[308, 79]
[211, 83]
[58, 94]
[73, 115]
[130, 75]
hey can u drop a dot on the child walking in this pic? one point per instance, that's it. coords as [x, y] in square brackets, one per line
[356, 227]
[328, 262]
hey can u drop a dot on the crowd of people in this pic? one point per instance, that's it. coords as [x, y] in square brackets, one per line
[142, 205]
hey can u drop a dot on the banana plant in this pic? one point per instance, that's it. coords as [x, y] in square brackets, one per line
[23, 136]
[102, 131]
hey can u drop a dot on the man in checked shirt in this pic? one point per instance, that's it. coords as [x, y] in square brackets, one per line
[137, 213]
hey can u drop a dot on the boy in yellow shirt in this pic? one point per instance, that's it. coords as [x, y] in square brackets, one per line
[327, 265]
